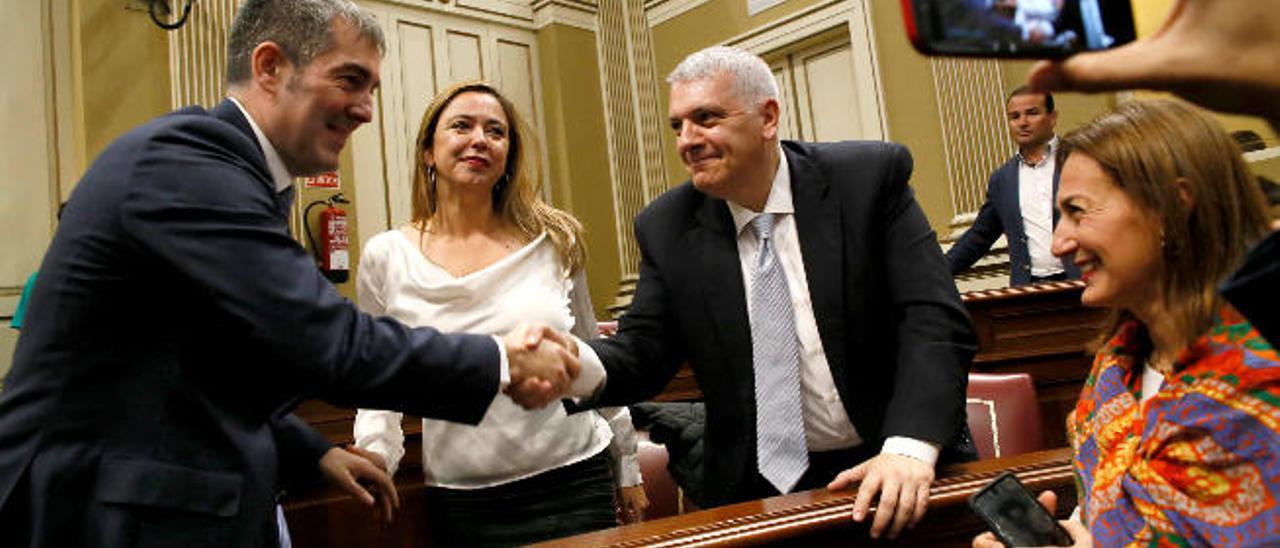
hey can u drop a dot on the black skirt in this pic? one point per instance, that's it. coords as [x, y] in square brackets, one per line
[561, 502]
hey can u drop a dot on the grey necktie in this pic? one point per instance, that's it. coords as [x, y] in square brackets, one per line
[781, 454]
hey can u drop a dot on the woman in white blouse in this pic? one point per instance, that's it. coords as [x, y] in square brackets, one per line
[482, 254]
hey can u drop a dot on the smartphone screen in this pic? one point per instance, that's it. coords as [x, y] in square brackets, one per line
[1017, 28]
[1015, 516]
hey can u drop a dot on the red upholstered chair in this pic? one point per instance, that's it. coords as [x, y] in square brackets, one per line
[1004, 416]
[663, 493]
[665, 497]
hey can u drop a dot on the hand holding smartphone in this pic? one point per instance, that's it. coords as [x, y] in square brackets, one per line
[1017, 28]
[1014, 515]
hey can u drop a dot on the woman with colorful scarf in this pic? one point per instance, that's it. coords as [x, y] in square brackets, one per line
[1177, 432]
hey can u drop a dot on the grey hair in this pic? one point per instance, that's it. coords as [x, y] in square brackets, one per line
[752, 79]
[302, 28]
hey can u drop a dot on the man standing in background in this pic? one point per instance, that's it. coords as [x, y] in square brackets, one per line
[1020, 198]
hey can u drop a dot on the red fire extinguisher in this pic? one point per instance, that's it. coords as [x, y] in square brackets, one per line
[331, 256]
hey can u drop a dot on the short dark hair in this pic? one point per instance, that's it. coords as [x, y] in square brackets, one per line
[1026, 90]
[302, 28]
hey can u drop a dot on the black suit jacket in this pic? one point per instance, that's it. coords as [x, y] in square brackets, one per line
[174, 325]
[1002, 214]
[894, 331]
[1252, 288]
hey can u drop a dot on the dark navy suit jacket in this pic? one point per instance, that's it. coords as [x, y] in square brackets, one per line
[174, 325]
[1002, 214]
[895, 334]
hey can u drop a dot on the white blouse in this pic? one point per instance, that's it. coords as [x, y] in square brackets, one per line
[396, 279]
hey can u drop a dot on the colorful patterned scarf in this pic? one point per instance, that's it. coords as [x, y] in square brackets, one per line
[1196, 465]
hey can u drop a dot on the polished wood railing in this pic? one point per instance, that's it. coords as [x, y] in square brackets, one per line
[821, 518]
[328, 518]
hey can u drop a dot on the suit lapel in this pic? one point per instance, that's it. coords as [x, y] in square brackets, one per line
[228, 112]
[1014, 197]
[818, 226]
[713, 247]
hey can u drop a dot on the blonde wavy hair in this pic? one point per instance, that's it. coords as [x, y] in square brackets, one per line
[1155, 149]
[516, 195]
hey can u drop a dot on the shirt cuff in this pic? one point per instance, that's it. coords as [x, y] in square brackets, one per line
[592, 375]
[504, 370]
[920, 450]
[629, 471]
[388, 454]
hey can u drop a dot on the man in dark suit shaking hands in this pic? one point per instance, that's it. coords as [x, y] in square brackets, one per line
[175, 322]
[805, 287]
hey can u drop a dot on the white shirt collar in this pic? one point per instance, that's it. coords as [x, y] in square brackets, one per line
[1049, 149]
[779, 200]
[279, 174]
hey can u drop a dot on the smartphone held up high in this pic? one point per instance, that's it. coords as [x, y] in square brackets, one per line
[1017, 28]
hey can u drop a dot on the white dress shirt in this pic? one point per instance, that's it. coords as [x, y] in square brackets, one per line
[510, 443]
[1035, 201]
[279, 174]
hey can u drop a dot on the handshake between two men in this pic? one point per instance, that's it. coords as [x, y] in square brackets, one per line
[543, 364]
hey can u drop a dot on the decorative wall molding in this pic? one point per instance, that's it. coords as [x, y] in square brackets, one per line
[514, 13]
[805, 23]
[198, 54]
[659, 11]
[975, 136]
[819, 18]
[514, 9]
[574, 13]
[629, 82]
[757, 6]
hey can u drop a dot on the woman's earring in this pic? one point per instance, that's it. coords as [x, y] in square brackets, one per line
[431, 176]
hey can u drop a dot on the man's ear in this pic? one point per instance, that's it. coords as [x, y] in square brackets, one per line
[270, 66]
[772, 115]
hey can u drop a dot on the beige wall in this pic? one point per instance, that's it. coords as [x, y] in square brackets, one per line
[125, 77]
[577, 149]
[912, 114]
[115, 61]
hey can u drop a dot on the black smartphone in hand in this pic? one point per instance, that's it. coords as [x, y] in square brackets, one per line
[1017, 28]
[1015, 516]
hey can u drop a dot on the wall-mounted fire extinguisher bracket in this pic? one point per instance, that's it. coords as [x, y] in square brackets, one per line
[331, 255]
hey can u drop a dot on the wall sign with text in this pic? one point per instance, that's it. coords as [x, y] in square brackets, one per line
[323, 180]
